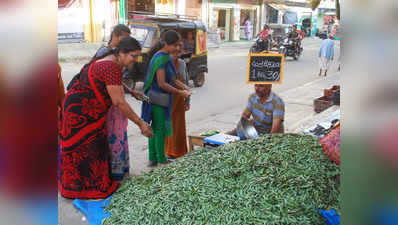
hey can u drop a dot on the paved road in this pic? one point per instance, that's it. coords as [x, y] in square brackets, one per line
[225, 86]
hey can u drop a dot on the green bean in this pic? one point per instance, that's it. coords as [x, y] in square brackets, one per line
[274, 179]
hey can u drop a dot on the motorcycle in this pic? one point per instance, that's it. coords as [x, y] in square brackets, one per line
[260, 45]
[289, 48]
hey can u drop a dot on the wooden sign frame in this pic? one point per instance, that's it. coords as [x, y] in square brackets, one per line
[265, 54]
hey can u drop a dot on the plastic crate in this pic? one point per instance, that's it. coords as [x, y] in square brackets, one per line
[329, 92]
[322, 103]
[336, 97]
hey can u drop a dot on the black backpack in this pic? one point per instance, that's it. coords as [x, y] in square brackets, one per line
[102, 52]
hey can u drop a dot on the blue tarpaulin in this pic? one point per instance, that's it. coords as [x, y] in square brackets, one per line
[331, 216]
[94, 210]
[290, 18]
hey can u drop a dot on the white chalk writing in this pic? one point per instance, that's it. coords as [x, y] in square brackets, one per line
[265, 64]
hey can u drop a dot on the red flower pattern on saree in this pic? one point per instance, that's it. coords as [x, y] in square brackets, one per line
[85, 156]
[92, 107]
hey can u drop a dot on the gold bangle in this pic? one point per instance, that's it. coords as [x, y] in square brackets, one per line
[140, 121]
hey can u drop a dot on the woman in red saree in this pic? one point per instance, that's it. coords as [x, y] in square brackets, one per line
[85, 155]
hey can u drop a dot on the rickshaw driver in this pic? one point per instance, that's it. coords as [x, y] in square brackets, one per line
[189, 43]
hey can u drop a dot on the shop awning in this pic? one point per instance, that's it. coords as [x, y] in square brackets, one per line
[279, 7]
[290, 18]
[67, 3]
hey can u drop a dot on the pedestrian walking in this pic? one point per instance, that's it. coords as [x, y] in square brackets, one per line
[326, 55]
[161, 84]
[85, 153]
[248, 29]
[176, 145]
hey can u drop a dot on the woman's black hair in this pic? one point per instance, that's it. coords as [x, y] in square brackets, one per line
[127, 45]
[171, 37]
[118, 31]
[155, 48]
[168, 37]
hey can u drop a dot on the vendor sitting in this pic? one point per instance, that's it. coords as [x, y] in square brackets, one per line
[267, 109]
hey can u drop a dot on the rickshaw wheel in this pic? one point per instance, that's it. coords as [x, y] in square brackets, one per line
[199, 80]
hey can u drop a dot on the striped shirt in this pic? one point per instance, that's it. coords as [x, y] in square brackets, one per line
[264, 114]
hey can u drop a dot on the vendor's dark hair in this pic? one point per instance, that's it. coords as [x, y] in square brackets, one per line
[118, 31]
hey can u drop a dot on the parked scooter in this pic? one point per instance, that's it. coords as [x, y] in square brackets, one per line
[288, 47]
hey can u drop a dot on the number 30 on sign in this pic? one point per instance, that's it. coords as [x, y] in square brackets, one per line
[265, 68]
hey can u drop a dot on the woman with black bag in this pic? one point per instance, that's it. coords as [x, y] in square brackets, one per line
[158, 86]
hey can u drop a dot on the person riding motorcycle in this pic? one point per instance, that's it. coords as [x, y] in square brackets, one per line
[265, 37]
[295, 36]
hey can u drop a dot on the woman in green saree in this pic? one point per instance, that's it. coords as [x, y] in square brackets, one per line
[161, 77]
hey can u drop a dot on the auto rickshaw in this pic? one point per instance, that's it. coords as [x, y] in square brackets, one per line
[147, 29]
[278, 32]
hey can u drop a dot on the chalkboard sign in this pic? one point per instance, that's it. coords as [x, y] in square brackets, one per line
[265, 68]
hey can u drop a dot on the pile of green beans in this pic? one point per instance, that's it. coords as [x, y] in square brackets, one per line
[274, 179]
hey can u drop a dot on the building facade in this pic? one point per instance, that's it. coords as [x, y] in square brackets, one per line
[228, 17]
[89, 20]
[324, 16]
[92, 20]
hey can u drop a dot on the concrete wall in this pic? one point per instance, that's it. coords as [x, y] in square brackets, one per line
[194, 8]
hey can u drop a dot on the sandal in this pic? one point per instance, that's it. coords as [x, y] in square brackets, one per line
[152, 164]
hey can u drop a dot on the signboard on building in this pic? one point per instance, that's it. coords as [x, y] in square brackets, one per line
[265, 68]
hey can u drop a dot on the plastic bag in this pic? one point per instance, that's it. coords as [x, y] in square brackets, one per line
[331, 145]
